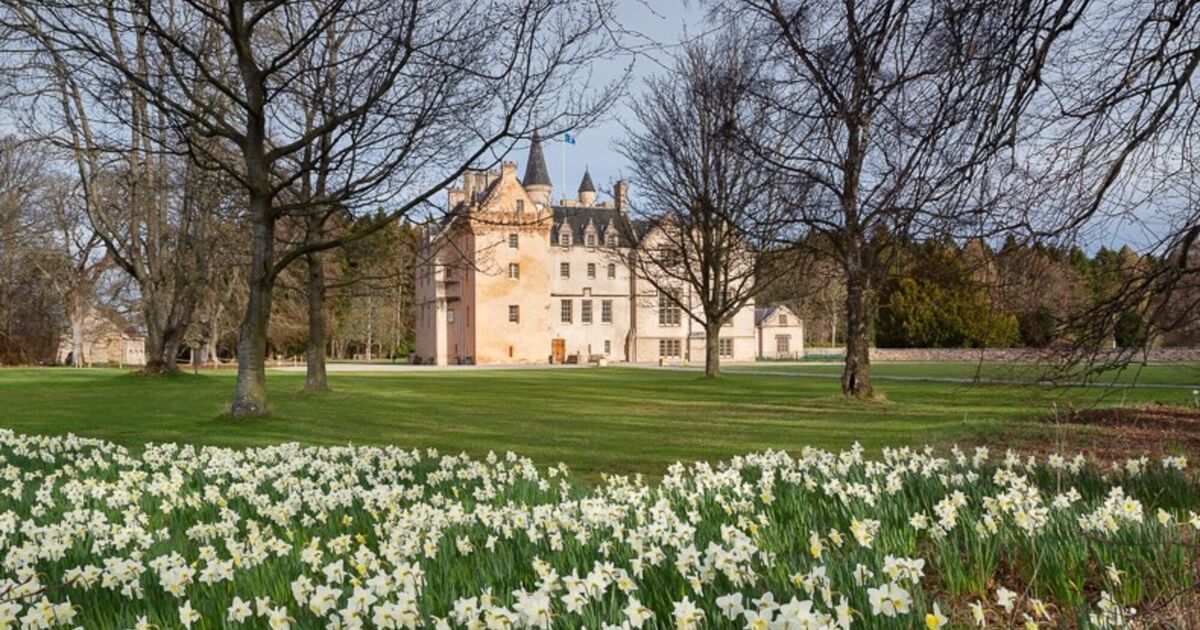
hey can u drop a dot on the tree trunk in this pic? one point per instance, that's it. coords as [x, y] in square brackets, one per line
[162, 344]
[156, 347]
[250, 396]
[316, 379]
[856, 375]
[712, 349]
[173, 341]
[171, 348]
[370, 328]
[77, 316]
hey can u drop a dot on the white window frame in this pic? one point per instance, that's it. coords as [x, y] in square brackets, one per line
[514, 313]
[669, 312]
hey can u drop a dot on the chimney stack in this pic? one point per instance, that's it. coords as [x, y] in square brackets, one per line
[621, 195]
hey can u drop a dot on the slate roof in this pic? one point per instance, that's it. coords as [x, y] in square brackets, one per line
[761, 315]
[577, 219]
[536, 173]
[586, 185]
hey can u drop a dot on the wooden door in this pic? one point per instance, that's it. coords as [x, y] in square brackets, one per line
[558, 350]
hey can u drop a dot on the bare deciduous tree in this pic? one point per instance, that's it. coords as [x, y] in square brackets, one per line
[1112, 155]
[412, 93]
[72, 257]
[30, 313]
[708, 211]
[159, 215]
[889, 111]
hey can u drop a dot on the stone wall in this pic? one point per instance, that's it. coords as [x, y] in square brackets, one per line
[1008, 355]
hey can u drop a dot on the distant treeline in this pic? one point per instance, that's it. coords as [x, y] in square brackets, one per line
[944, 294]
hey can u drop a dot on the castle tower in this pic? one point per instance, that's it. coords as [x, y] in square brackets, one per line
[587, 190]
[537, 176]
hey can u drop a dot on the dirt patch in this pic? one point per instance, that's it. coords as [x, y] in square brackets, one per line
[1113, 434]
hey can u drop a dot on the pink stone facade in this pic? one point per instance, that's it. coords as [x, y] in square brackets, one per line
[510, 277]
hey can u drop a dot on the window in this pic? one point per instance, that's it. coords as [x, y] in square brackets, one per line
[590, 239]
[669, 348]
[514, 313]
[611, 237]
[513, 239]
[520, 206]
[607, 347]
[606, 311]
[564, 238]
[725, 347]
[564, 270]
[585, 311]
[566, 311]
[514, 271]
[450, 316]
[612, 270]
[783, 344]
[668, 310]
[783, 319]
[591, 270]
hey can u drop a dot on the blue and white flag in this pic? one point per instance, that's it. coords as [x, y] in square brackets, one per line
[568, 138]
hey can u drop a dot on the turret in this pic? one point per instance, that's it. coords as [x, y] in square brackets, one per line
[587, 190]
[537, 177]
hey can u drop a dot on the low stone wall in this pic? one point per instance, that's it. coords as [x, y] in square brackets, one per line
[1010, 355]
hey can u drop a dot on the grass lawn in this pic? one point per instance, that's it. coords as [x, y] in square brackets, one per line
[1181, 374]
[598, 420]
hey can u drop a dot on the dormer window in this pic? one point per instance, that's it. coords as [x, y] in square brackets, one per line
[520, 206]
[590, 239]
[564, 238]
[611, 237]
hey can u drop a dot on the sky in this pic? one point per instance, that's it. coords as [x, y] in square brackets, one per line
[660, 26]
[661, 22]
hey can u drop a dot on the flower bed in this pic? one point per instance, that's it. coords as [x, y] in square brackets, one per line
[93, 535]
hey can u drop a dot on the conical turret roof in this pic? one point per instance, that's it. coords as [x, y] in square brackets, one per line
[536, 173]
[586, 185]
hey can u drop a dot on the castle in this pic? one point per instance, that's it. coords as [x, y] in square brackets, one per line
[512, 277]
